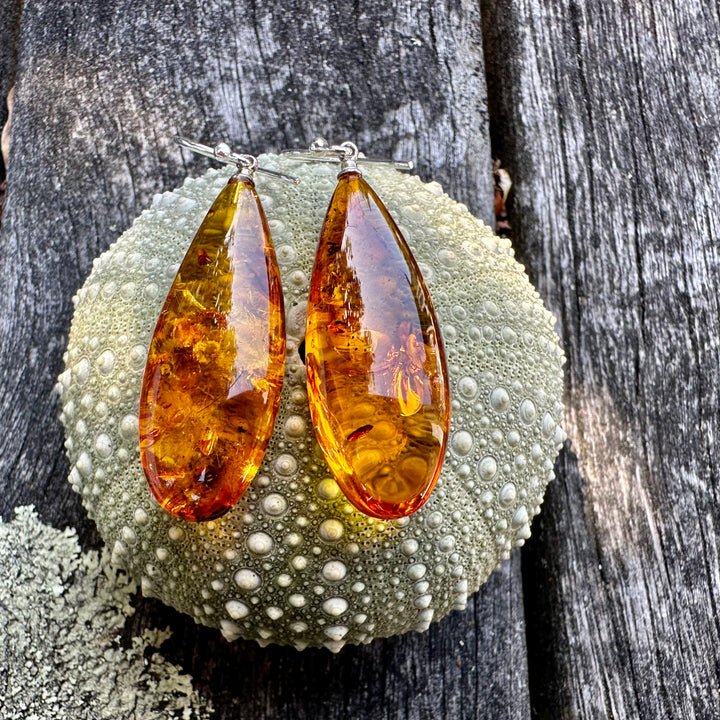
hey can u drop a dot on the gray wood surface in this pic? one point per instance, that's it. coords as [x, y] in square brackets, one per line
[101, 88]
[9, 32]
[607, 116]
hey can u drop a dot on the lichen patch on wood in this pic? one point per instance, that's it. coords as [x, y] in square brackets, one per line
[61, 613]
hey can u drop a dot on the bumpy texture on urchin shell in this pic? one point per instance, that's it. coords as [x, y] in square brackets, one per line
[293, 562]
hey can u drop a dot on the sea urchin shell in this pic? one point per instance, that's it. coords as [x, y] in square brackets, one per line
[293, 563]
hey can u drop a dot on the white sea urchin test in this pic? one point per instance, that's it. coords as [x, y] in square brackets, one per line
[293, 562]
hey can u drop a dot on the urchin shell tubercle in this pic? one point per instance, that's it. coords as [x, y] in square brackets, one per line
[293, 562]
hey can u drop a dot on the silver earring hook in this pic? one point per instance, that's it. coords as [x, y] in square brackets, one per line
[347, 154]
[246, 164]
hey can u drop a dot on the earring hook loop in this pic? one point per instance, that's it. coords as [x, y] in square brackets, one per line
[246, 164]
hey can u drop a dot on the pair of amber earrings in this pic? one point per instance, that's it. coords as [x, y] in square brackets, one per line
[377, 379]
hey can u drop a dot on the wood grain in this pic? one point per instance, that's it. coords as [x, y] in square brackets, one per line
[102, 87]
[10, 12]
[606, 115]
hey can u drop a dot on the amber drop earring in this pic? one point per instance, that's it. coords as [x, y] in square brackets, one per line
[376, 373]
[216, 361]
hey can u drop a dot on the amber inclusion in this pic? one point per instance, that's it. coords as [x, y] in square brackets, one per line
[377, 379]
[215, 366]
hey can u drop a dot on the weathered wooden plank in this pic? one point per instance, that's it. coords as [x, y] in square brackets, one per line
[10, 11]
[102, 86]
[606, 115]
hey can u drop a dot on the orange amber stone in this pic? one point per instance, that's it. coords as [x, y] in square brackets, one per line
[216, 362]
[377, 379]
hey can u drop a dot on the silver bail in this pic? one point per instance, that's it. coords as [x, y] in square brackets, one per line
[347, 154]
[246, 164]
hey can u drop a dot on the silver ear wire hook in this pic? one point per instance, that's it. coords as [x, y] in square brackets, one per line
[347, 154]
[246, 164]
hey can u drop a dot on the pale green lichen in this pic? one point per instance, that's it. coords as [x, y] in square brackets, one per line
[61, 612]
[293, 562]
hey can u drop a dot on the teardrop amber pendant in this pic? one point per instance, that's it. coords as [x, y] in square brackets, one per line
[377, 379]
[215, 366]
